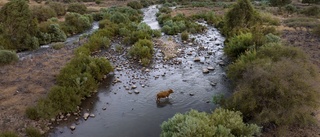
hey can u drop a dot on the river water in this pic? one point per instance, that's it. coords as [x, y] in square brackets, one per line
[119, 112]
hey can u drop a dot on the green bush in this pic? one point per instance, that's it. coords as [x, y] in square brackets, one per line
[43, 13]
[58, 7]
[270, 38]
[8, 134]
[268, 18]
[50, 32]
[221, 122]
[312, 11]
[240, 18]
[7, 57]
[58, 45]
[275, 86]
[18, 27]
[66, 98]
[32, 113]
[119, 18]
[317, 30]
[32, 132]
[135, 5]
[146, 3]
[77, 8]
[142, 49]
[237, 45]
[290, 8]
[76, 23]
[184, 35]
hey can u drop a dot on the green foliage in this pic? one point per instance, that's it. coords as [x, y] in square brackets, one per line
[310, 1]
[77, 8]
[32, 113]
[317, 30]
[275, 85]
[270, 38]
[290, 8]
[58, 45]
[32, 132]
[237, 45]
[8, 134]
[146, 3]
[142, 49]
[7, 57]
[302, 22]
[279, 3]
[221, 122]
[184, 35]
[97, 41]
[42, 13]
[312, 11]
[268, 18]
[124, 12]
[50, 32]
[18, 27]
[76, 23]
[66, 98]
[135, 5]
[119, 18]
[58, 7]
[240, 18]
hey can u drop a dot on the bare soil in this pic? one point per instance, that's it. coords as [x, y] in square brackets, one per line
[26, 81]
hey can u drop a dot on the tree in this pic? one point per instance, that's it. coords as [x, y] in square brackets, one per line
[280, 3]
[19, 28]
[240, 18]
[221, 122]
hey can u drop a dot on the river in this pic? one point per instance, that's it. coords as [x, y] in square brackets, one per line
[122, 113]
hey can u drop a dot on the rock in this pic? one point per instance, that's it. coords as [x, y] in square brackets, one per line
[190, 44]
[53, 119]
[210, 52]
[189, 53]
[191, 94]
[184, 42]
[221, 63]
[85, 116]
[130, 92]
[104, 108]
[68, 115]
[213, 83]
[72, 127]
[92, 115]
[207, 101]
[61, 116]
[136, 91]
[127, 88]
[133, 87]
[118, 69]
[210, 68]
[205, 70]
[147, 70]
[196, 59]
[143, 86]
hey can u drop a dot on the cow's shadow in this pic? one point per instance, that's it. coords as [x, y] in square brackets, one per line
[163, 102]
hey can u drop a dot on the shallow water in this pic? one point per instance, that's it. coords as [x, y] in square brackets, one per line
[138, 115]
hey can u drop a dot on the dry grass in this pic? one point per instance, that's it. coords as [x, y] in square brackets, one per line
[23, 83]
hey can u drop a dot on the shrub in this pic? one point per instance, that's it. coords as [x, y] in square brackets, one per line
[77, 8]
[237, 45]
[290, 8]
[22, 37]
[76, 23]
[134, 5]
[8, 134]
[156, 33]
[32, 132]
[42, 13]
[268, 18]
[58, 7]
[32, 113]
[58, 45]
[96, 42]
[312, 11]
[317, 30]
[289, 93]
[66, 98]
[184, 35]
[142, 49]
[221, 122]
[145, 3]
[119, 18]
[240, 18]
[270, 38]
[7, 57]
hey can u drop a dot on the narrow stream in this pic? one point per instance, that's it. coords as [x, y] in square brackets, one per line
[119, 112]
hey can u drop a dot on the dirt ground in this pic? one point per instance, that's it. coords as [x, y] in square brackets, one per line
[26, 81]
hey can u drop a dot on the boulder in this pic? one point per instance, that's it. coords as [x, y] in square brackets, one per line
[85, 116]
[72, 127]
[205, 70]
[196, 59]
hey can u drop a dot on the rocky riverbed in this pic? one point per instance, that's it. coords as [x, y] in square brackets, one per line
[125, 104]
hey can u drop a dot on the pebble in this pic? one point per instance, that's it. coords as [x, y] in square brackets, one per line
[136, 91]
[92, 115]
[191, 94]
[85, 116]
[205, 70]
[133, 86]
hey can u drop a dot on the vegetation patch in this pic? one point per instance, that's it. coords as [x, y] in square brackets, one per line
[7, 57]
[222, 123]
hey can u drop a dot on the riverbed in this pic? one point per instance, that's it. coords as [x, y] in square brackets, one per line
[125, 104]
